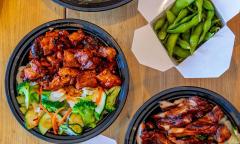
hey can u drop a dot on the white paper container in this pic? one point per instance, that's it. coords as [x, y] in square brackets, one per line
[210, 60]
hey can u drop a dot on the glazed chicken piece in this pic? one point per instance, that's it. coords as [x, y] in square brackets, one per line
[205, 125]
[34, 70]
[86, 59]
[108, 80]
[167, 123]
[153, 137]
[191, 105]
[63, 72]
[36, 50]
[58, 82]
[107, 52]
[69, 59]
[54, 41]
[76, 37]
[222, 134]
[86, 79]
[190, 140]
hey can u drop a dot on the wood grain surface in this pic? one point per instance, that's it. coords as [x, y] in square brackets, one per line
[18, 17]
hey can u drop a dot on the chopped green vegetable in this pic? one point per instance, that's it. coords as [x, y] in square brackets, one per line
[87, 111]
[111, 98]
[65, 129]
[51, 106]
[30, 93]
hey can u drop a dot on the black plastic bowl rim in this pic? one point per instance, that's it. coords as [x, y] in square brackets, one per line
[20, 53]
[175, 93]
[101, 6]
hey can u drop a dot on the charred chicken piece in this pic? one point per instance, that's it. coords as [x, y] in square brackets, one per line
[205, 125]
[86, 59]
[222, 134]
[153, 137]
[54, 41]
[59, 82]
[69, 59]
[191, 105]
[107, 79]
[76, 37]
[107, 52]
[63, 72]
[86, 79]
[36, 50]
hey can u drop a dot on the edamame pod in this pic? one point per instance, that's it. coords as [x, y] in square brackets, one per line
[186, 26]
[208, 36]
[195, 37]
[181, 4]
[170, 17]
[182, 53]
[183, 44]
[208, 5]
[184, 20]
[159, 24]
[163, 32]
[186, 35]
[199, 4]
[183, 13]
[207, 25]
[171, 43]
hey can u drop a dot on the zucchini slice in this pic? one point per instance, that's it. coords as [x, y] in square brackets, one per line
[23, 109]
[75, 119]
[20, 99]
[65, 129]
[45, 123]
[30, 116]
[76, 128]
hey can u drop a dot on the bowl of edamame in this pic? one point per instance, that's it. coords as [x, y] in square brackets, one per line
[186, 26]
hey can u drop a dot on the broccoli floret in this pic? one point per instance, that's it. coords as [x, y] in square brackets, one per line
[51, 106]
[30, 92]
[112, 95]
[87, 111]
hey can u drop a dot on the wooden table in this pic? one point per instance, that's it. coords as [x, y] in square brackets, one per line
[18, 17]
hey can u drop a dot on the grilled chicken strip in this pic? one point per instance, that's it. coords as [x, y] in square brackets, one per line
[206, 125]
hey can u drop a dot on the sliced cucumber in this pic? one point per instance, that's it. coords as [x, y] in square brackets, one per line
[45, 123]
[30, 116]
[75, 119]
[101, 104]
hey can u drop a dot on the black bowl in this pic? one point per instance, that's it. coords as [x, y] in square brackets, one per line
[19, 58]
[91, 6]
[152, 106]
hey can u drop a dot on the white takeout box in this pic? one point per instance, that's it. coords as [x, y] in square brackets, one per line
[211, 59]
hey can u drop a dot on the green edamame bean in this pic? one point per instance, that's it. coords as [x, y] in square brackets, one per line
[184, 20]
[163, 32]
[217, 22]
[199, 4]
[208, 36]
[181, 4]
[215, 29]
[186, 26]
[170, 17]
[159, 24]
[171, 43]
[186, 35]
[183, 13]
[207, 25]
[183, 44]
[208, 5]
[182, 53]
[195, 37]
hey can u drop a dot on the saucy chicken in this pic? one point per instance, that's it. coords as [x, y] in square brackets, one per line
[190, 120]
[59, 59]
